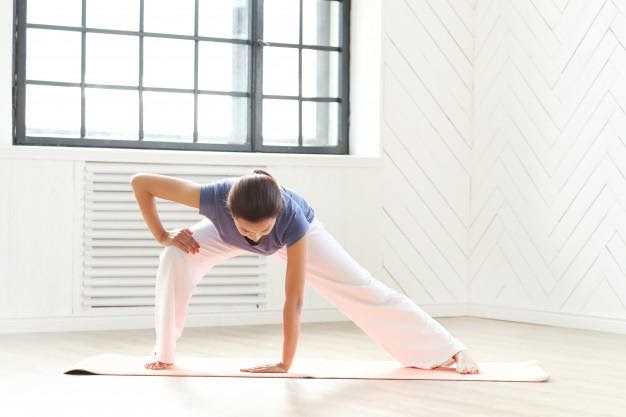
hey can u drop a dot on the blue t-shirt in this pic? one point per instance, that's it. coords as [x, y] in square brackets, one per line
[291, 223]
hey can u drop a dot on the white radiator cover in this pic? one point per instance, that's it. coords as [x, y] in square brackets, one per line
[120, 256]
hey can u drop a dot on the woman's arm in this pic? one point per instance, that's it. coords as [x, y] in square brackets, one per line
[148, 186]
[294, 289]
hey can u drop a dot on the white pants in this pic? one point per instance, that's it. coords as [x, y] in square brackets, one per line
[391, 319]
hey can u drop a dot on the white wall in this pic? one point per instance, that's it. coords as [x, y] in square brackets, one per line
[498, 192]
[548, 162]
[40, 259]
[426, 129]
[37, 247]
[503, 147]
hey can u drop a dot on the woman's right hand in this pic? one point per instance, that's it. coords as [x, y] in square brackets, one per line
[181, 238]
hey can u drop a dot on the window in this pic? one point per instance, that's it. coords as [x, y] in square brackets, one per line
[230, 75]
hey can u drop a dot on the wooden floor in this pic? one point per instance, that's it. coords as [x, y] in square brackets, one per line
[587, 368]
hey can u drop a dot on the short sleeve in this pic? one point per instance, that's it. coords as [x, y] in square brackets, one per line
[208, 193]
[296, 228]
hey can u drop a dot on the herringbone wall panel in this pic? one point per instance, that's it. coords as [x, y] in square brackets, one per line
[504, 141]
[548, 162]
[427, 147]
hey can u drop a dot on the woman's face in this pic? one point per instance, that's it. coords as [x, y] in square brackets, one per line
[254, 230]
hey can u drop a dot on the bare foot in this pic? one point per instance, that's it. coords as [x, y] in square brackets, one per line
[464, 363]
[156, 365]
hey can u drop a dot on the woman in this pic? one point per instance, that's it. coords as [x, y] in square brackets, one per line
[254, 213]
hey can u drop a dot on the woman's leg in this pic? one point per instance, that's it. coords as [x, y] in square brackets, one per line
[391, 319]
[177, 277]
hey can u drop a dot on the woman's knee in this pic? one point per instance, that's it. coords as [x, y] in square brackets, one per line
[172, 252]
[173, 267]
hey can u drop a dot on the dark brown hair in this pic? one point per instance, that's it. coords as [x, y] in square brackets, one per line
[255, 197]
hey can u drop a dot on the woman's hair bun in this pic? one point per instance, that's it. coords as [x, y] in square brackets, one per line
[261, 172]
[255, 196]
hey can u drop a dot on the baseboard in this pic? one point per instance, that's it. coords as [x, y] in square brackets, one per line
[124, 322]
[146, 321]
[586, 322]
[445, 310]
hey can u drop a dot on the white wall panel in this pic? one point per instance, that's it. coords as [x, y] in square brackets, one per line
[428, 48]
[503, 176]
[36, 257]
[5, 239]
[547, 163]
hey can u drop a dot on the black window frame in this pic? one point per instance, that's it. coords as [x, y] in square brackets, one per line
[255, 95]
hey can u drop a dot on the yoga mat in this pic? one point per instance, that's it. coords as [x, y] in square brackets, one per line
[114, 364]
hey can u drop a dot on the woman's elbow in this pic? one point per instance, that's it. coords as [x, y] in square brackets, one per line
[136, 180]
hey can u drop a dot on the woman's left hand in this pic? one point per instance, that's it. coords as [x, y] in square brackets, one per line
[276, 367]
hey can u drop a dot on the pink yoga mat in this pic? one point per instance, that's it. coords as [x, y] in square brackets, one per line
[113, 364]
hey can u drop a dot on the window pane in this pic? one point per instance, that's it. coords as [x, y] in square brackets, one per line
[222, 66]
[168, 116]
[280, 122]
[52, 111]
[112, 59]
[53, 55]
[111, 114]
[320, 73]
[280, 71]
[164, 16]
[281, 21]
[320, 22]
[58, 12]
[319, 123]
[224, 18]
[113, 14]
[168, 63]
[222, 119]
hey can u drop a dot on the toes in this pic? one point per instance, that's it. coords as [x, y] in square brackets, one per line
[152, 365]
[465, 370]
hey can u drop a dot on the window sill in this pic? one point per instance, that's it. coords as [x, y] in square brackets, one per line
[184, 157]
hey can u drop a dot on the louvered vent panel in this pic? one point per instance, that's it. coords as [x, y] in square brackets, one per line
[120, 255]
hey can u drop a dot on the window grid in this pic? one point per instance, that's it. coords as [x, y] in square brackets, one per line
[343, 89]
[255, 95]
